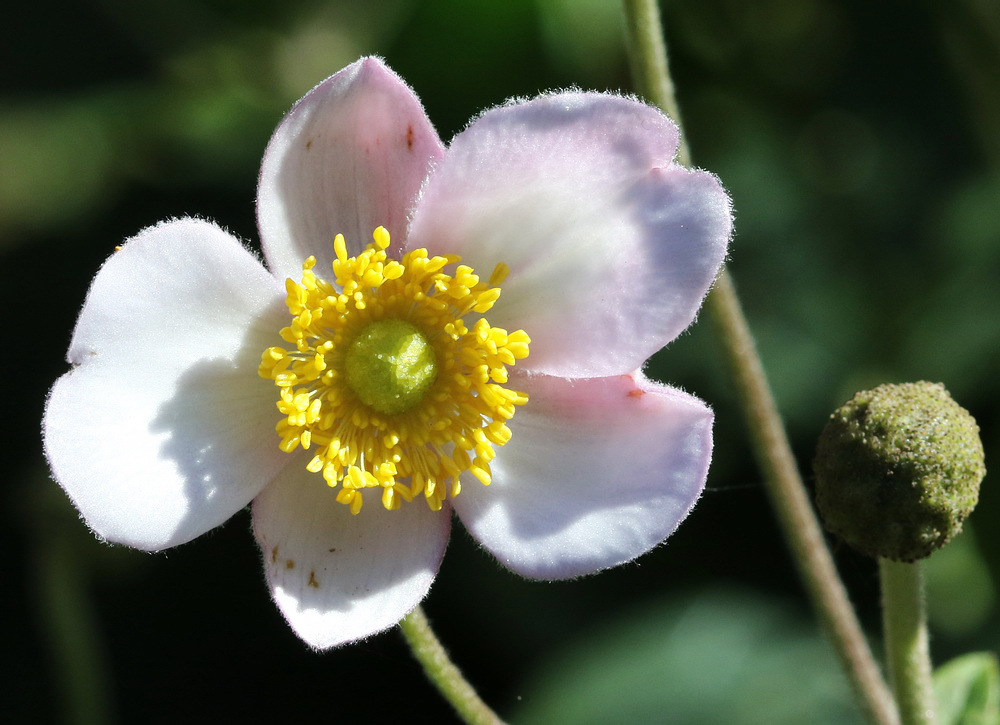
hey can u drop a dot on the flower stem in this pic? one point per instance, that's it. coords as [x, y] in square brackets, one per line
[648, 59]
[904, 622]
[442, 671]
[794, 512]
[771, 447]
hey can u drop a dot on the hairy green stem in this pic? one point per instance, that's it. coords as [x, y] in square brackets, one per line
[794, 512]
[770, 442]
[904, 623]
[647, 53]
[443, 672]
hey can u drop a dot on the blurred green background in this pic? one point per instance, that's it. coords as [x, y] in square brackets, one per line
[861, 144]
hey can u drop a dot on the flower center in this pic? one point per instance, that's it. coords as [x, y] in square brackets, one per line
[390, 365]
[384, 380]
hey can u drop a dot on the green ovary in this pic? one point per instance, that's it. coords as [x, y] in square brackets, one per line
[390, 365]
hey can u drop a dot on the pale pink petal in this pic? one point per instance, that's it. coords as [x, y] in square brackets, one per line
[611, 246]
[598, 472]
[163, 430]
[349, 157]
[338, 577]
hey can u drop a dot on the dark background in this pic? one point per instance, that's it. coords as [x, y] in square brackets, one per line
[861, 144]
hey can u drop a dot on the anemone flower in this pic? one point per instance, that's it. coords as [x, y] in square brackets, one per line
[437, 329]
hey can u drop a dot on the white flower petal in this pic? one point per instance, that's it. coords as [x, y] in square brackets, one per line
[338, 577]
[611, 246]
[350, 156]
[598, 472]
[163, 429]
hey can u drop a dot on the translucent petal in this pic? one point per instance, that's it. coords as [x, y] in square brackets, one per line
[611, 245]
[598, 472]
[349, 157]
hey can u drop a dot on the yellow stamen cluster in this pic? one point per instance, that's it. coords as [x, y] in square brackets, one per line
[452, 428]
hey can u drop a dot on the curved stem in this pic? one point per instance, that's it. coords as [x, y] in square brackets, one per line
[770, 442]
[904, 623]
[443, 672]
[794, 511]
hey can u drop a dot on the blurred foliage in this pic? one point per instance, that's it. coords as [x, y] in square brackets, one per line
[968, 690]
[860, 144]
[961, 594]
[649, 666]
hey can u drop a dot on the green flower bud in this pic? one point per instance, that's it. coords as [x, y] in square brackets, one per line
[898, 470]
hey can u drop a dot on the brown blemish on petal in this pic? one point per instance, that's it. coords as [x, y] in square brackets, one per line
[331, 550]
[634, 392]
[309, 144]
[312, 580]
[409, 137]
[274, 554]
[289, 563]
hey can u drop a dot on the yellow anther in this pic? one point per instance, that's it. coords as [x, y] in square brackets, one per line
[449, 428]
[500, 273]
[381, 237]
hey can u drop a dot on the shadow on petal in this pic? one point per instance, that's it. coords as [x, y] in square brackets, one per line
[218, 430]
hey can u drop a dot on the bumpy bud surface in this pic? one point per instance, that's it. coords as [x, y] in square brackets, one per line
[898, 470]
